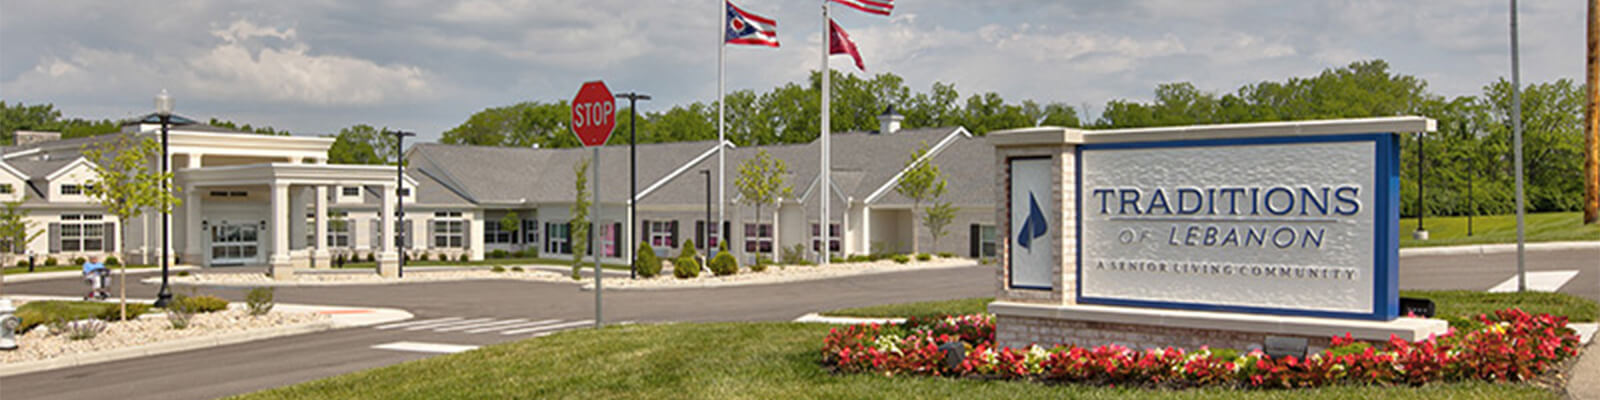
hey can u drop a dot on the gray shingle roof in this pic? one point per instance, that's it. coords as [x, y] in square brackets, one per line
[38, 169]
[506, 175]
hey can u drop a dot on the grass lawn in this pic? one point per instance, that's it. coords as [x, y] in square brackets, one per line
[1541, 227]
[37, 313]
[737, 361]
[14, 270]
[1456, 306]
[781, 360]
[491, 261]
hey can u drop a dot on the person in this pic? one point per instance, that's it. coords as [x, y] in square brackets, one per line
[95, 273]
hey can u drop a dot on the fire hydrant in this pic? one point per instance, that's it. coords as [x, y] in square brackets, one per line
[8, 325]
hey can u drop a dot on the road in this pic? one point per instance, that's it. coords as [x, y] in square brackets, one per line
[243, 368]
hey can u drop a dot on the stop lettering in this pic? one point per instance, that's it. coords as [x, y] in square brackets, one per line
[593, 114]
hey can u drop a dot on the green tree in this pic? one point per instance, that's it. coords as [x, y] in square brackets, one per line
[922, 181]
[362, 144]
[16, 232]
[761, 182]
[126, 186]
[938, 218]
[578, 235]
[510, 222]
[261, 130]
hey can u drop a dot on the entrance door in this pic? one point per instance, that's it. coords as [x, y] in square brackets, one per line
[233, 244]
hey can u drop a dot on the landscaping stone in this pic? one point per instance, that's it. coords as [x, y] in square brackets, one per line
[40, 344]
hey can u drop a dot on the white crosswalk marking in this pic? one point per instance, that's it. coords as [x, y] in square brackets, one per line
[480, 325]
[1542, 281]
[445, 324]
[548, 327]
[411, 323]
[515, 326]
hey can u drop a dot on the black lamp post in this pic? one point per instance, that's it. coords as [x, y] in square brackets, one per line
[164, 111]
[633, 175]
[1422, 210]
[399, 197]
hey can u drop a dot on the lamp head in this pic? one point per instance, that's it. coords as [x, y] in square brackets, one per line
[163, 104]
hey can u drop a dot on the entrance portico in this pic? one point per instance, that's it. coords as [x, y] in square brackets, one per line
[235, 230]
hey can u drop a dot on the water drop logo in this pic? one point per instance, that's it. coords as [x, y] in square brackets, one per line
[1034, 226]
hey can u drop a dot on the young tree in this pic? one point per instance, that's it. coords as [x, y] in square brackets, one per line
[761, 182]
[578, 235]
[922, 181]
[126, 186]
[510, 222]
[16, 232]
[937, 218]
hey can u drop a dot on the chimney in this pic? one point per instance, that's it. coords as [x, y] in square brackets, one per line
[25, 138]
[889, 121]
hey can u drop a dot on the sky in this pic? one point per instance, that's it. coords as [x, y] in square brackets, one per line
[316, 66]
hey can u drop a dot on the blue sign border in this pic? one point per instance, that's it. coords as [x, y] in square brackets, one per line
[1386, 243]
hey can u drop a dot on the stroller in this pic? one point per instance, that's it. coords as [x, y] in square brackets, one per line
[98, 282]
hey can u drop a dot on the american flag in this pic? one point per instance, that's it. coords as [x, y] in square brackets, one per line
[880, 7]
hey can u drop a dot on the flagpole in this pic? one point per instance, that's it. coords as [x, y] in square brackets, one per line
[722, 169]
[827, 169]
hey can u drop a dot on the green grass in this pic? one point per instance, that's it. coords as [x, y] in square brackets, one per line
[489, 262]
[36, 313]
[1541, 227]
[741, 361]
[1457, 306]
[14, 270]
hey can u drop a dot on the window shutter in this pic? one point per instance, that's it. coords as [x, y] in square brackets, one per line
[376, 243]
[546, 243]
[431, 233]
[674, 234]
[410, 233]
[974, 241]
[55, 237]
[644, 232]
[566, 247]
[616, 239]
[700, 234]
[108, 236]
[466, 234]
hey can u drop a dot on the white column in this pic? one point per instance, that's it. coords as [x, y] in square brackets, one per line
[193, 241]
[388, 259]
[319, 252]
[476, 223]
[277, 225]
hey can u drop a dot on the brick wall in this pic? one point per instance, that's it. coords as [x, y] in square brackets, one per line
[1064, 162]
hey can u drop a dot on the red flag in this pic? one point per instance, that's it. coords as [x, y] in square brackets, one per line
[839, 43]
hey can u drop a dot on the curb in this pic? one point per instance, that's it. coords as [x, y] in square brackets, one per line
[589, 287]
[39, 276]
[397, 281]
[171, 346]
[818, 318]
[1484, 249]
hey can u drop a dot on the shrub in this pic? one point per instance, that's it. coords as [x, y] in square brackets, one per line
[901, 258]
[372, 258]
[792, 255]
[497, 253]
[516, 269]
[111, 312]
[724, 264]
[531, 252]
[463, 257]
[22, 263]
[180, 312]
[259, 301]
[685, 267]
[761, 263]
[83, 329]
[79, 260]
[647, 263]
[497, 269]
[46, 312]
[113, 261]
[183, 273]
[946, 254]
[50, 261]
[200, 304]
[924, 256]
[835, 259]
[858, 258]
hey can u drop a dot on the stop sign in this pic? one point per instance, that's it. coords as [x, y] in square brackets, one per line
[593, 114]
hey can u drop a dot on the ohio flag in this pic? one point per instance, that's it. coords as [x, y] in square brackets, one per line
[747, 28]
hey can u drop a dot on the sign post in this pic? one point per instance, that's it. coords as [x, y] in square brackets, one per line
[593, 118]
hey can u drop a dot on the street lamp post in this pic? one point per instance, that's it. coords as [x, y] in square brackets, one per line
[633, 176]
[399, 196]
[164, 105]
[1422, 210]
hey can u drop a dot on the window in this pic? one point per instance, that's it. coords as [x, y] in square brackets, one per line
[402, 237]
[704, 239]
[660, 234]
[405, 191]
[984, 241]
[758, 238]
[82, 232]
[6, 188]
[447, 214]
[71, 189]
[349, 191]
[609, 236]
[448, 233]
[493, 234]
[558, 238]
[530, 231]
[833, 238]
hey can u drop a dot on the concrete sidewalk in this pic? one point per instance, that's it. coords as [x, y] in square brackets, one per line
[339, 317]
[1496, 248]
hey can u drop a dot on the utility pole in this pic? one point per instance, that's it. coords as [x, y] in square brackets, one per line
[1516, 154]
[1591, 123]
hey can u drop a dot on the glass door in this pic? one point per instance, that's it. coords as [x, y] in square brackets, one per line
[233, 244]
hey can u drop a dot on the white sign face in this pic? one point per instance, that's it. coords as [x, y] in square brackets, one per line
[1247, 227]
[1033, 232]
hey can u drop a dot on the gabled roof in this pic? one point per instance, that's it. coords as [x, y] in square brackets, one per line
[41, 169]
[504, 175]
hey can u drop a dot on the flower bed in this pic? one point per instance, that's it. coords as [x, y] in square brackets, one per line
[1510, 345]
